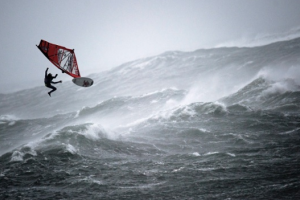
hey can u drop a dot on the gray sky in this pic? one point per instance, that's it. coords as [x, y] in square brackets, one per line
[107, 33]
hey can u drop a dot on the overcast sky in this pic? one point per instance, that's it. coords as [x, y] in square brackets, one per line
[107, 33]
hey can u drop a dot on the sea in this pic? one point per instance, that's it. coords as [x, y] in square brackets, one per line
[218, 123]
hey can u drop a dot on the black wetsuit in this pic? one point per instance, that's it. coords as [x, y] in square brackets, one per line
[48, 80]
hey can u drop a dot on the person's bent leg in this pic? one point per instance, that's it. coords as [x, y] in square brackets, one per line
[53, 89]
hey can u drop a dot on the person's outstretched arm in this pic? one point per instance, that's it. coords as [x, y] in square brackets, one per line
[56, 82]
[46, 72]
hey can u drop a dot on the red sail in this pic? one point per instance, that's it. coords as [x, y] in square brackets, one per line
[62, 57]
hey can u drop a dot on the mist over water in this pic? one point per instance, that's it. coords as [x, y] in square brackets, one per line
[218, 123]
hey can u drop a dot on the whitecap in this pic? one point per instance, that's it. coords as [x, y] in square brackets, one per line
[179, 169]
[8, 117]
[153, 101]
[94, 132]
[71, 149]
[17, 156]
[196, 154]
[11, 123]
[231, 154]
[89, 179]
[206, 169]
[211, 153]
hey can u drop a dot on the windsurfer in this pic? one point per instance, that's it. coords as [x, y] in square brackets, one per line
[48, 80]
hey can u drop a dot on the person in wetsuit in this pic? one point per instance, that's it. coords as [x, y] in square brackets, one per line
[48, 80]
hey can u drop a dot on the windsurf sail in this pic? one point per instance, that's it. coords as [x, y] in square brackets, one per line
[62, 57]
